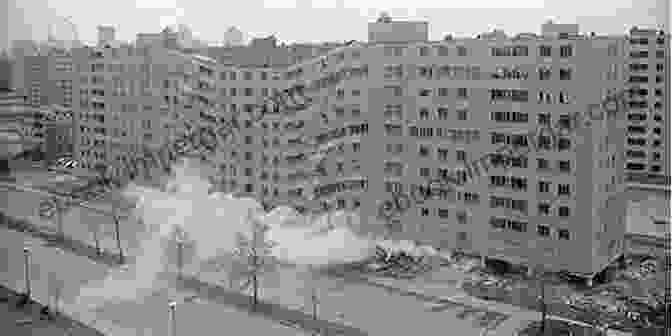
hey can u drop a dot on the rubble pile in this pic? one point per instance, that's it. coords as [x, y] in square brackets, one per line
[400, 260]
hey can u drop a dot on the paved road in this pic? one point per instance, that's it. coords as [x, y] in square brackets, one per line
[148, 316]
[372, 309]
[26, 321]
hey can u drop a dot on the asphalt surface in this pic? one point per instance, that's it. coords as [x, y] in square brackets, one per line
[364, 305]
[27, 320]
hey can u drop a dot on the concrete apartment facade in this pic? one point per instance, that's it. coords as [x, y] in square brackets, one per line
[421, 108]
[6, 66]
[21, 127]
[648, 152]
[20, 49]
[59, 132]
[124, 95]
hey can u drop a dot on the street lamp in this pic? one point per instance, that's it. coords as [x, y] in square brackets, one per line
[173, 322]
[180, 246]
[25, 297]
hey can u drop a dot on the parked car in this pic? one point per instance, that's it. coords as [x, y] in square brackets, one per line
[64, 163]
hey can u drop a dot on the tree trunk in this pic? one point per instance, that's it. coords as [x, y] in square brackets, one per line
[256, 290]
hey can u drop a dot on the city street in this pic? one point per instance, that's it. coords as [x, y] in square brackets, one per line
[146, 316]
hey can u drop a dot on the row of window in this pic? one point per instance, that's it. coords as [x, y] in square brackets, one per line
[501, 223]
[637, 67]
[515, 50]
[638, 166]
[640, 154]
[645, 40]
[644, 79]
[455, 135]
[645, 54]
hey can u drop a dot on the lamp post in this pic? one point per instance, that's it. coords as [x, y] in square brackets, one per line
[180, 261]
[26, 266]
[173, 322]
[25, 297]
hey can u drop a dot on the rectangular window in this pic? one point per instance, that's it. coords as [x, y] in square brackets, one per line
[563, 211]
[461, 155]
[566, 51]
[545, 51]
[564, 166]
[462, 93]
[461, 51]
[462, 114]
[543, 230]
[563, 234]
[566, 74]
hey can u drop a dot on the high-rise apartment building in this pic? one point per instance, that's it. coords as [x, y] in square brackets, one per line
[47, 78]
[20, 49]
[414, 110]
[648, 82]
[124, 94]
[22, 129]
[59, 127]
[6, 65]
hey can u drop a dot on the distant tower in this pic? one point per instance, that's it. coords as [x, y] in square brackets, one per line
[233, 37]
[385, 17]
[185, 36]
[105, 35]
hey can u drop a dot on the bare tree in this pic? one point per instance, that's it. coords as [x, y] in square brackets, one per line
[252, 258]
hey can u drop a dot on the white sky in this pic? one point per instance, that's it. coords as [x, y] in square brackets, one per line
[321, 20]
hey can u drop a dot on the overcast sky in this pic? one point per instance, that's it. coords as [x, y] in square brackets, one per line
[322, 20]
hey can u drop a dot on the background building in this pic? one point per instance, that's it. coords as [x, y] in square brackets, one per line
[21, 49]
[124, 95]
[59, 127]
[6, 69]
[21, 133]
[106, 35]
[233, 37]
